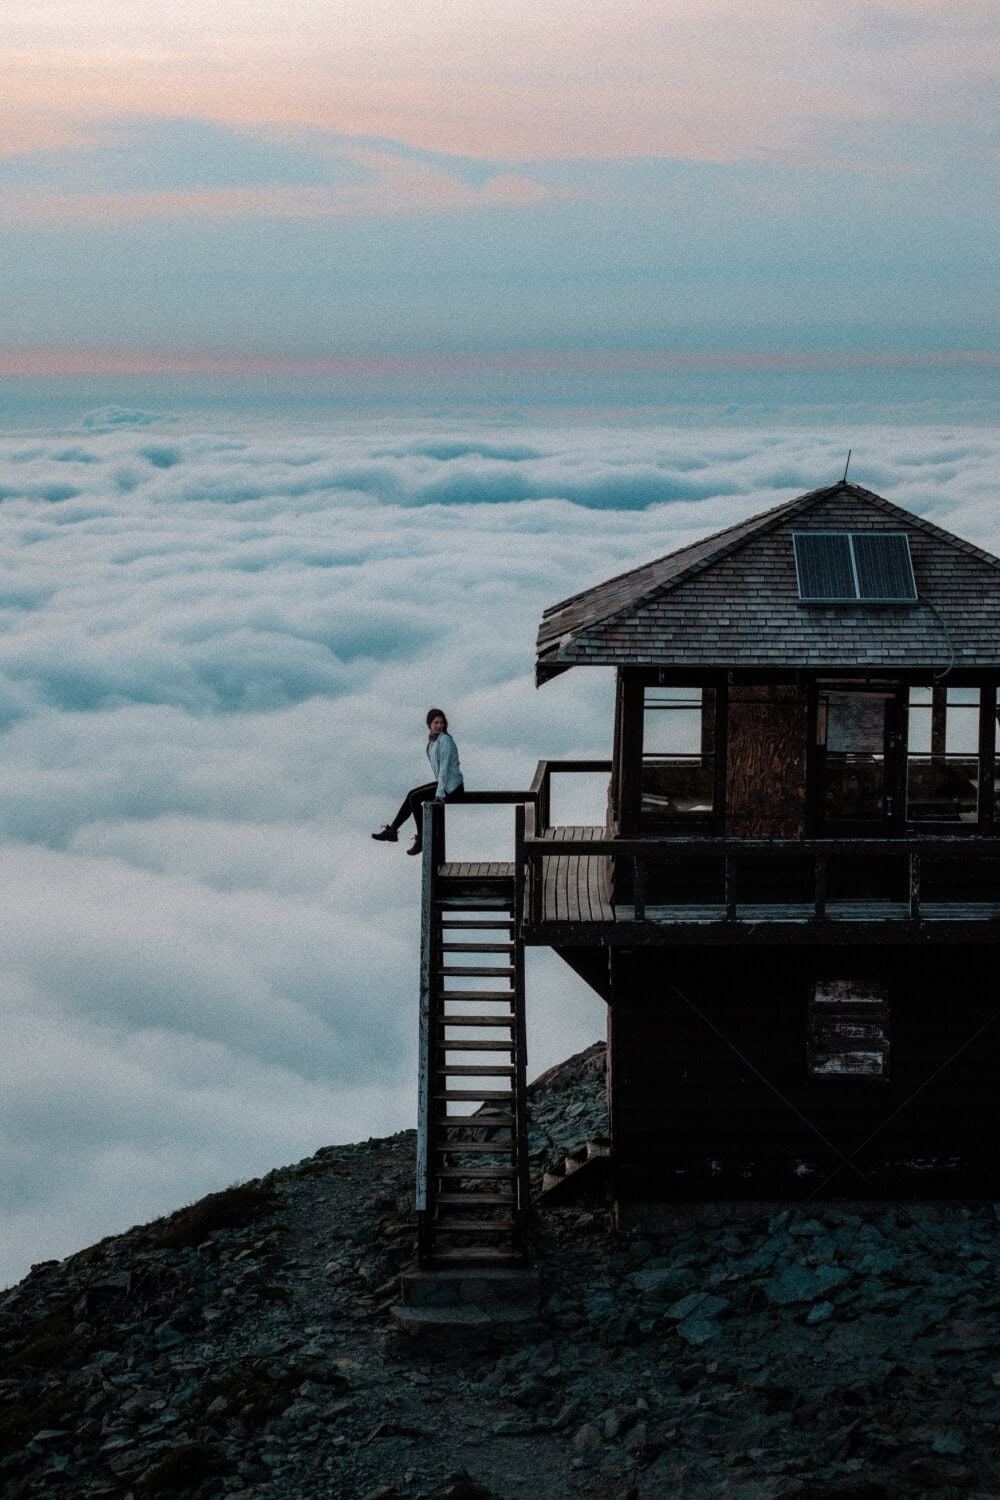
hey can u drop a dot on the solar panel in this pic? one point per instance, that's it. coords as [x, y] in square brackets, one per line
[849, 566]
[824, 565]
[885, 571]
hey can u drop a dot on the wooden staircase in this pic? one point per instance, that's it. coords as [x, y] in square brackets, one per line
[472, 1166]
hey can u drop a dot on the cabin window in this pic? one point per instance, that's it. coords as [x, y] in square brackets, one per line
[852, 727]
[942, 764]
[678, 752]
[848, 1030]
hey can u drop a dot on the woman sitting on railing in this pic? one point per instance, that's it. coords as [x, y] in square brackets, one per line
[442, 752]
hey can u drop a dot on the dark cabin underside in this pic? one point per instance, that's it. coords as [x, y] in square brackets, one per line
[728, 1077]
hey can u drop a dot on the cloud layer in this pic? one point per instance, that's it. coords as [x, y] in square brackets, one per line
[216, 649]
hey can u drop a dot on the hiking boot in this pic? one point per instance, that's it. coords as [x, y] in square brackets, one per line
[387, 835]
[416, 847]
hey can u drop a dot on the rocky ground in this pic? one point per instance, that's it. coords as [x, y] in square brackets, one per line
[244, 1347]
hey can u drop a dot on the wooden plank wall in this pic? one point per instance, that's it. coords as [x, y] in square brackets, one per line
[683, 1098]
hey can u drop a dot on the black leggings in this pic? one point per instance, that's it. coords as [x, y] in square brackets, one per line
[413, 803]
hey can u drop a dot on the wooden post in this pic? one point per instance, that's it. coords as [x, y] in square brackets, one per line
[428, 1018]
[520, 1058]
[914, 886]
[520, 871]
[989, 733]
[819, 870]
[639, 882]
[729, 885]
[545, 801]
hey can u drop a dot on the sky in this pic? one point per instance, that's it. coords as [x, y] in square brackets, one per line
[336, 342]
[529, 197]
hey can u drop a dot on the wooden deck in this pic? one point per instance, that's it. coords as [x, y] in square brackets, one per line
[476, 870]
[573, 885]
[574, 895]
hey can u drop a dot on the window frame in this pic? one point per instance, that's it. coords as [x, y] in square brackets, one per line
[874, 1011]
[630, 751]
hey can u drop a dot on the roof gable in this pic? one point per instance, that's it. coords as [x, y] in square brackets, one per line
[732, 600]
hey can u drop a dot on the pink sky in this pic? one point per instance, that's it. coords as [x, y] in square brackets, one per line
[713, 79]
[56, 361]
[340, 178]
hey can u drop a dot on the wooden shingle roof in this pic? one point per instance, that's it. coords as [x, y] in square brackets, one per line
[732, 600]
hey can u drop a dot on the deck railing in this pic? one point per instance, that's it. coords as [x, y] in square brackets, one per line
[638, 862]
[635, 865]
[539, 814]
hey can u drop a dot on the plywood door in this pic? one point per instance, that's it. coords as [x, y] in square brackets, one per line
[766, 762]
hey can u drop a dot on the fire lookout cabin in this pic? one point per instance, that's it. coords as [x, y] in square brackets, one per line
[792, 908]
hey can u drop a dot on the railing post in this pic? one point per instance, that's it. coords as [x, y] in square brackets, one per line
[436, 810]
[729, 877]
[639, 884]
[520, 1057]
[520, 870]
[433, 840]
[819, 872]
[545, 801]
[914, 886]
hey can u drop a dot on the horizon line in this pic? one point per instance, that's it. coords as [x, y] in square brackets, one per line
[56, 363]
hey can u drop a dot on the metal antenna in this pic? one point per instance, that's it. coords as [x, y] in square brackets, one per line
[847, 465]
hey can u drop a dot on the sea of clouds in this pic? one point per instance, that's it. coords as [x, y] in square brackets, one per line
[216, 651]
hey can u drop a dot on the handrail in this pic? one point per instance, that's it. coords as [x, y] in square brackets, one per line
[432, 823]
[500, 798]
[573, 765]
[638, 859]
[541, 786]
[650, 847]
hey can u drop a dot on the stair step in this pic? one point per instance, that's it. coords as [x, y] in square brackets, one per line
[478, 1200]
[474, 1070]
[477, 947]
[472, 1214]
[498, 898]
[475, 1148]
[478, 971]
[475, 1046]
[477, 1172]
[471, 1095]
[478, 1122]
[484, 1255]
[474, 926]
[473, 1226]
[475, 995]
[507, 1021]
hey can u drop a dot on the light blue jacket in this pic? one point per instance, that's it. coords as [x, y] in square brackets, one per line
[443, 756]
